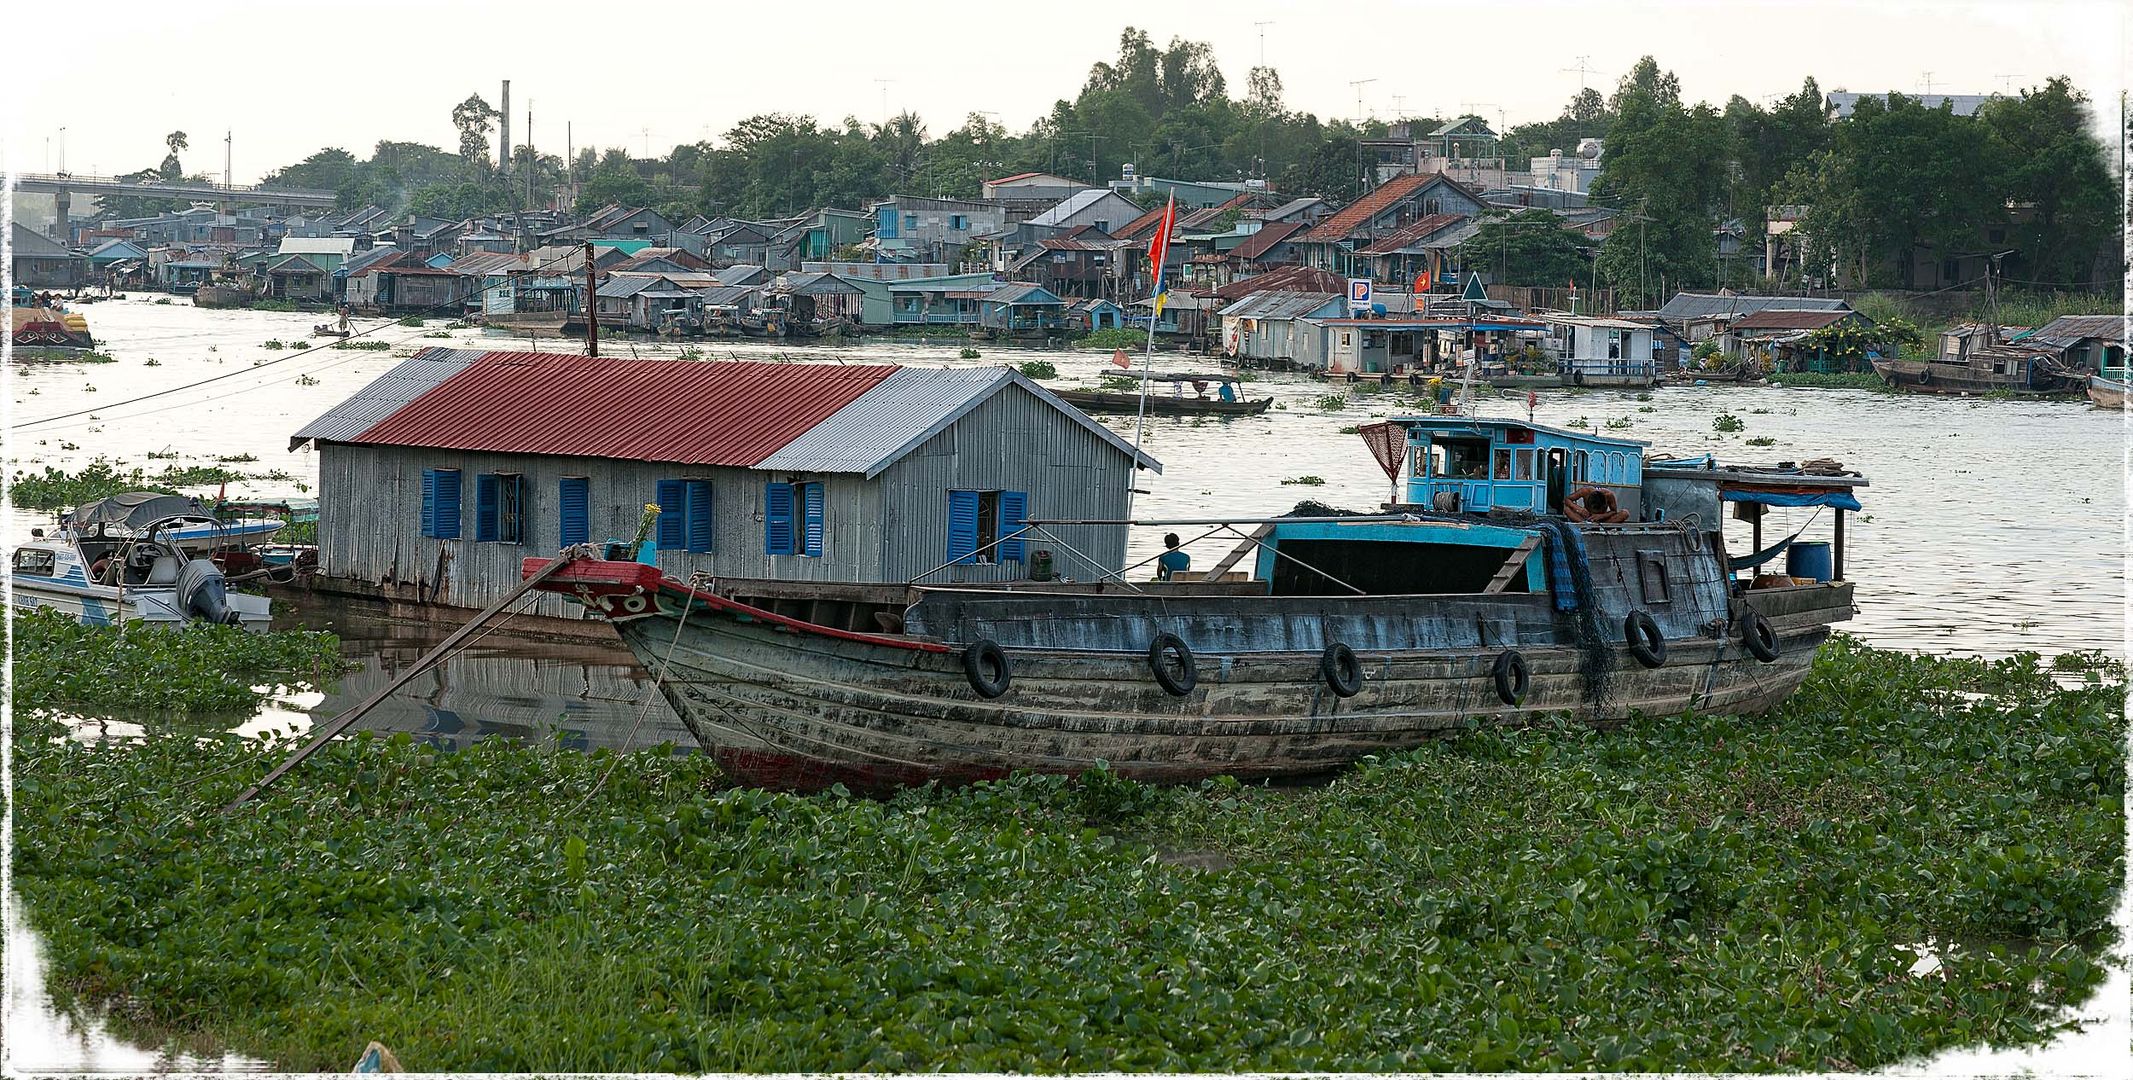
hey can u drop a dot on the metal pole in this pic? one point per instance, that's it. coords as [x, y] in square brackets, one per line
[592, 309]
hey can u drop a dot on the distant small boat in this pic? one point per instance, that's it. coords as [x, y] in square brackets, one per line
[1167, 404]
[323, 330]
[2109, 393]
[221, 296]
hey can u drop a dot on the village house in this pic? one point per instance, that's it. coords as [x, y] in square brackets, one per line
[1030, 187]
[1692, 317]
[1383, 216]
[1094, 207]
[1601, 350]
[433, 488]
[918, 229]
[1465, 150]
[40, 261]
[1277, 329]
[2092, 343]
[812, 298]
[1775, 339]
[293, 277]
[1020, 309]
[613, 222]
[1077, 264]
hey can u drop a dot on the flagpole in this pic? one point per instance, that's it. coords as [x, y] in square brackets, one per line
[1155, 313]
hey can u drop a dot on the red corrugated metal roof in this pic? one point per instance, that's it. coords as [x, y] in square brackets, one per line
[721, 413]
[1140, 226]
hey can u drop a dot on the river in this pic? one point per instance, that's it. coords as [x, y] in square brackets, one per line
[1990, 527]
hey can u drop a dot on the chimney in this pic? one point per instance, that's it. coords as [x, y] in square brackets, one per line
[503, 159]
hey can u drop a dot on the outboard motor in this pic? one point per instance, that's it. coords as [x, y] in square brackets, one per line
[203, 591]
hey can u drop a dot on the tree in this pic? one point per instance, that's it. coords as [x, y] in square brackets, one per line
[1529, 248]
[2054, 170]
[474, 117]
[1665, 168]
[170, 169]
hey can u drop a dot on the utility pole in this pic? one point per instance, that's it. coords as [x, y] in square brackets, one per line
[592, 307]
[503, 114]
[884, 84]
[227, 185]
[533, 160]
[1262, 40]
[1927, 78]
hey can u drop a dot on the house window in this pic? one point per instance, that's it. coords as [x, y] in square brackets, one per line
[499, 501]
[574, 510]
[978, 521]
[440, 503]
[958, 221]
[910, 222]
[35, 561]
[792, 519]
[684, 515]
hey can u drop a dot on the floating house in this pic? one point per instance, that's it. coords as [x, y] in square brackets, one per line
[434, 485]
[1602, 352]
[1479, 463]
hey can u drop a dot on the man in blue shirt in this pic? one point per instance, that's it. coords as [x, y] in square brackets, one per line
[1172, 559]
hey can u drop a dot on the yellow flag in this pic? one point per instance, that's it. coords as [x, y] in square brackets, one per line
[1159, 298]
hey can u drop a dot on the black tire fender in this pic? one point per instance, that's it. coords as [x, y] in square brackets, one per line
[1165, 650]
[1646, 643]
[985, 664]
[1759, 636]
[1341, 670]
[1512, 677]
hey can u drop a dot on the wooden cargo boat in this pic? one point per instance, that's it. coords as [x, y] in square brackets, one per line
[2108, 393]
[1170, 404]
[1349, 635]
[221, 296]
[1973, 360]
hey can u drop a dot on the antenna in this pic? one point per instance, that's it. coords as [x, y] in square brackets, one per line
[1262, 40]
[884, 84]
[1359, 84]
[647, 134]
[1584, 71]
[1927, 78]
[2004, 80]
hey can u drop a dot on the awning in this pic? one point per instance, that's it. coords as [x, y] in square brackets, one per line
[1841, 500]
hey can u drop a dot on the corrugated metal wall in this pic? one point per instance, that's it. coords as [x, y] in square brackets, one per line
[1012, 442]
[891, 528]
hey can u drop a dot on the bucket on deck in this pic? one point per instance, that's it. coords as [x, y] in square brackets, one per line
[1809, 559]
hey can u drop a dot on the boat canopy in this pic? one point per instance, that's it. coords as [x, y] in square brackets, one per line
[137, 510]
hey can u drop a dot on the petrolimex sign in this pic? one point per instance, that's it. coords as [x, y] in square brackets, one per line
[1359, 294]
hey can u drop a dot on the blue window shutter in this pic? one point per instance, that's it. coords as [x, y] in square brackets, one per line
[670, 496]
[962, 526]
[1014, 506]
[699, 507]
[575, 496]
[429, 502]
[447, 521]
[811, 503]
[777, 519]
[486, 487]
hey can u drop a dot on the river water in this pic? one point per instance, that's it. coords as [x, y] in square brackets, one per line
[1990, 527]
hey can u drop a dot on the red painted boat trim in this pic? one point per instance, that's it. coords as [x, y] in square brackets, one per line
[606, 575]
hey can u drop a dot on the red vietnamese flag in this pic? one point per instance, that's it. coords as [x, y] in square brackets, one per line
[1121, 359]
[1159, 244]
[1573, 284]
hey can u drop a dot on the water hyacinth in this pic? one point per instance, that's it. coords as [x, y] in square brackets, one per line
[1689, 893]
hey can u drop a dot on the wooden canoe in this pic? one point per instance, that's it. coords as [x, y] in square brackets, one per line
[2108, 393]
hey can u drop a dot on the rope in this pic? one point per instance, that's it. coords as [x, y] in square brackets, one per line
[659, 679]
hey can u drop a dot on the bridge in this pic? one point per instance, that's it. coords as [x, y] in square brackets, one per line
[65, 184]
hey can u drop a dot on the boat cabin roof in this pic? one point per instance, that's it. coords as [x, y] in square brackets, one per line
[1504, 430]
[1186, 376]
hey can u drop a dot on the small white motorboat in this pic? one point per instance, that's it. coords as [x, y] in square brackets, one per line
[132, 558]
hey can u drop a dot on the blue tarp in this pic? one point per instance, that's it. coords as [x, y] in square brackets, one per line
[1842, 500]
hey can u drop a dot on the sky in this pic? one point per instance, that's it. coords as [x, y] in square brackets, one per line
[286, 79]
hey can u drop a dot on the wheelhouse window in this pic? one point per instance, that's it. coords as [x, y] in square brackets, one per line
[34, 561]
[1459, 459]
[1523, 467]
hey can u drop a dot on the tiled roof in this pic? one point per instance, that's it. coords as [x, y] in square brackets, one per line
[1285, 279]
[1269, 234]
[1358, 213]
[1415, 233]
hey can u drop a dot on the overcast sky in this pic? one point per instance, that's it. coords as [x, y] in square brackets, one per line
[290, 78]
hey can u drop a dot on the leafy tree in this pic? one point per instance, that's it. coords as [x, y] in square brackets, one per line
[474, 118]
[1530, 248]
[170, 169]
[1665, 167]
[2053, 171]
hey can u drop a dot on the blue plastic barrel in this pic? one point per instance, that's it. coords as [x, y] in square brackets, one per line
[1809, 559]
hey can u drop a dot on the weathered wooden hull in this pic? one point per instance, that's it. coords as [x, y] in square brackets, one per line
[783, 704]
[2108, 393]
[221, 296]
[1927, 377]
[1094, 401]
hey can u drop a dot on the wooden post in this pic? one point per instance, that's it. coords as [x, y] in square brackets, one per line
[592, 306]
[1836, 551]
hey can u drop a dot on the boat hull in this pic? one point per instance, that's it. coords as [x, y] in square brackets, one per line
[790, 705]
[2108, 393]
[1927, 377]
[1092, 401]
[99, 605]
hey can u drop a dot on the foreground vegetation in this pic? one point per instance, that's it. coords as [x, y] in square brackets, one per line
[1700, 893]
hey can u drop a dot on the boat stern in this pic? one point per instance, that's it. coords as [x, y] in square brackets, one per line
[613, 589]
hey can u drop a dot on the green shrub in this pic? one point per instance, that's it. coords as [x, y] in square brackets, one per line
[1039, 369]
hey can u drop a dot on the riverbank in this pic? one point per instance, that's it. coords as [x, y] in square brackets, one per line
[1703, 893]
